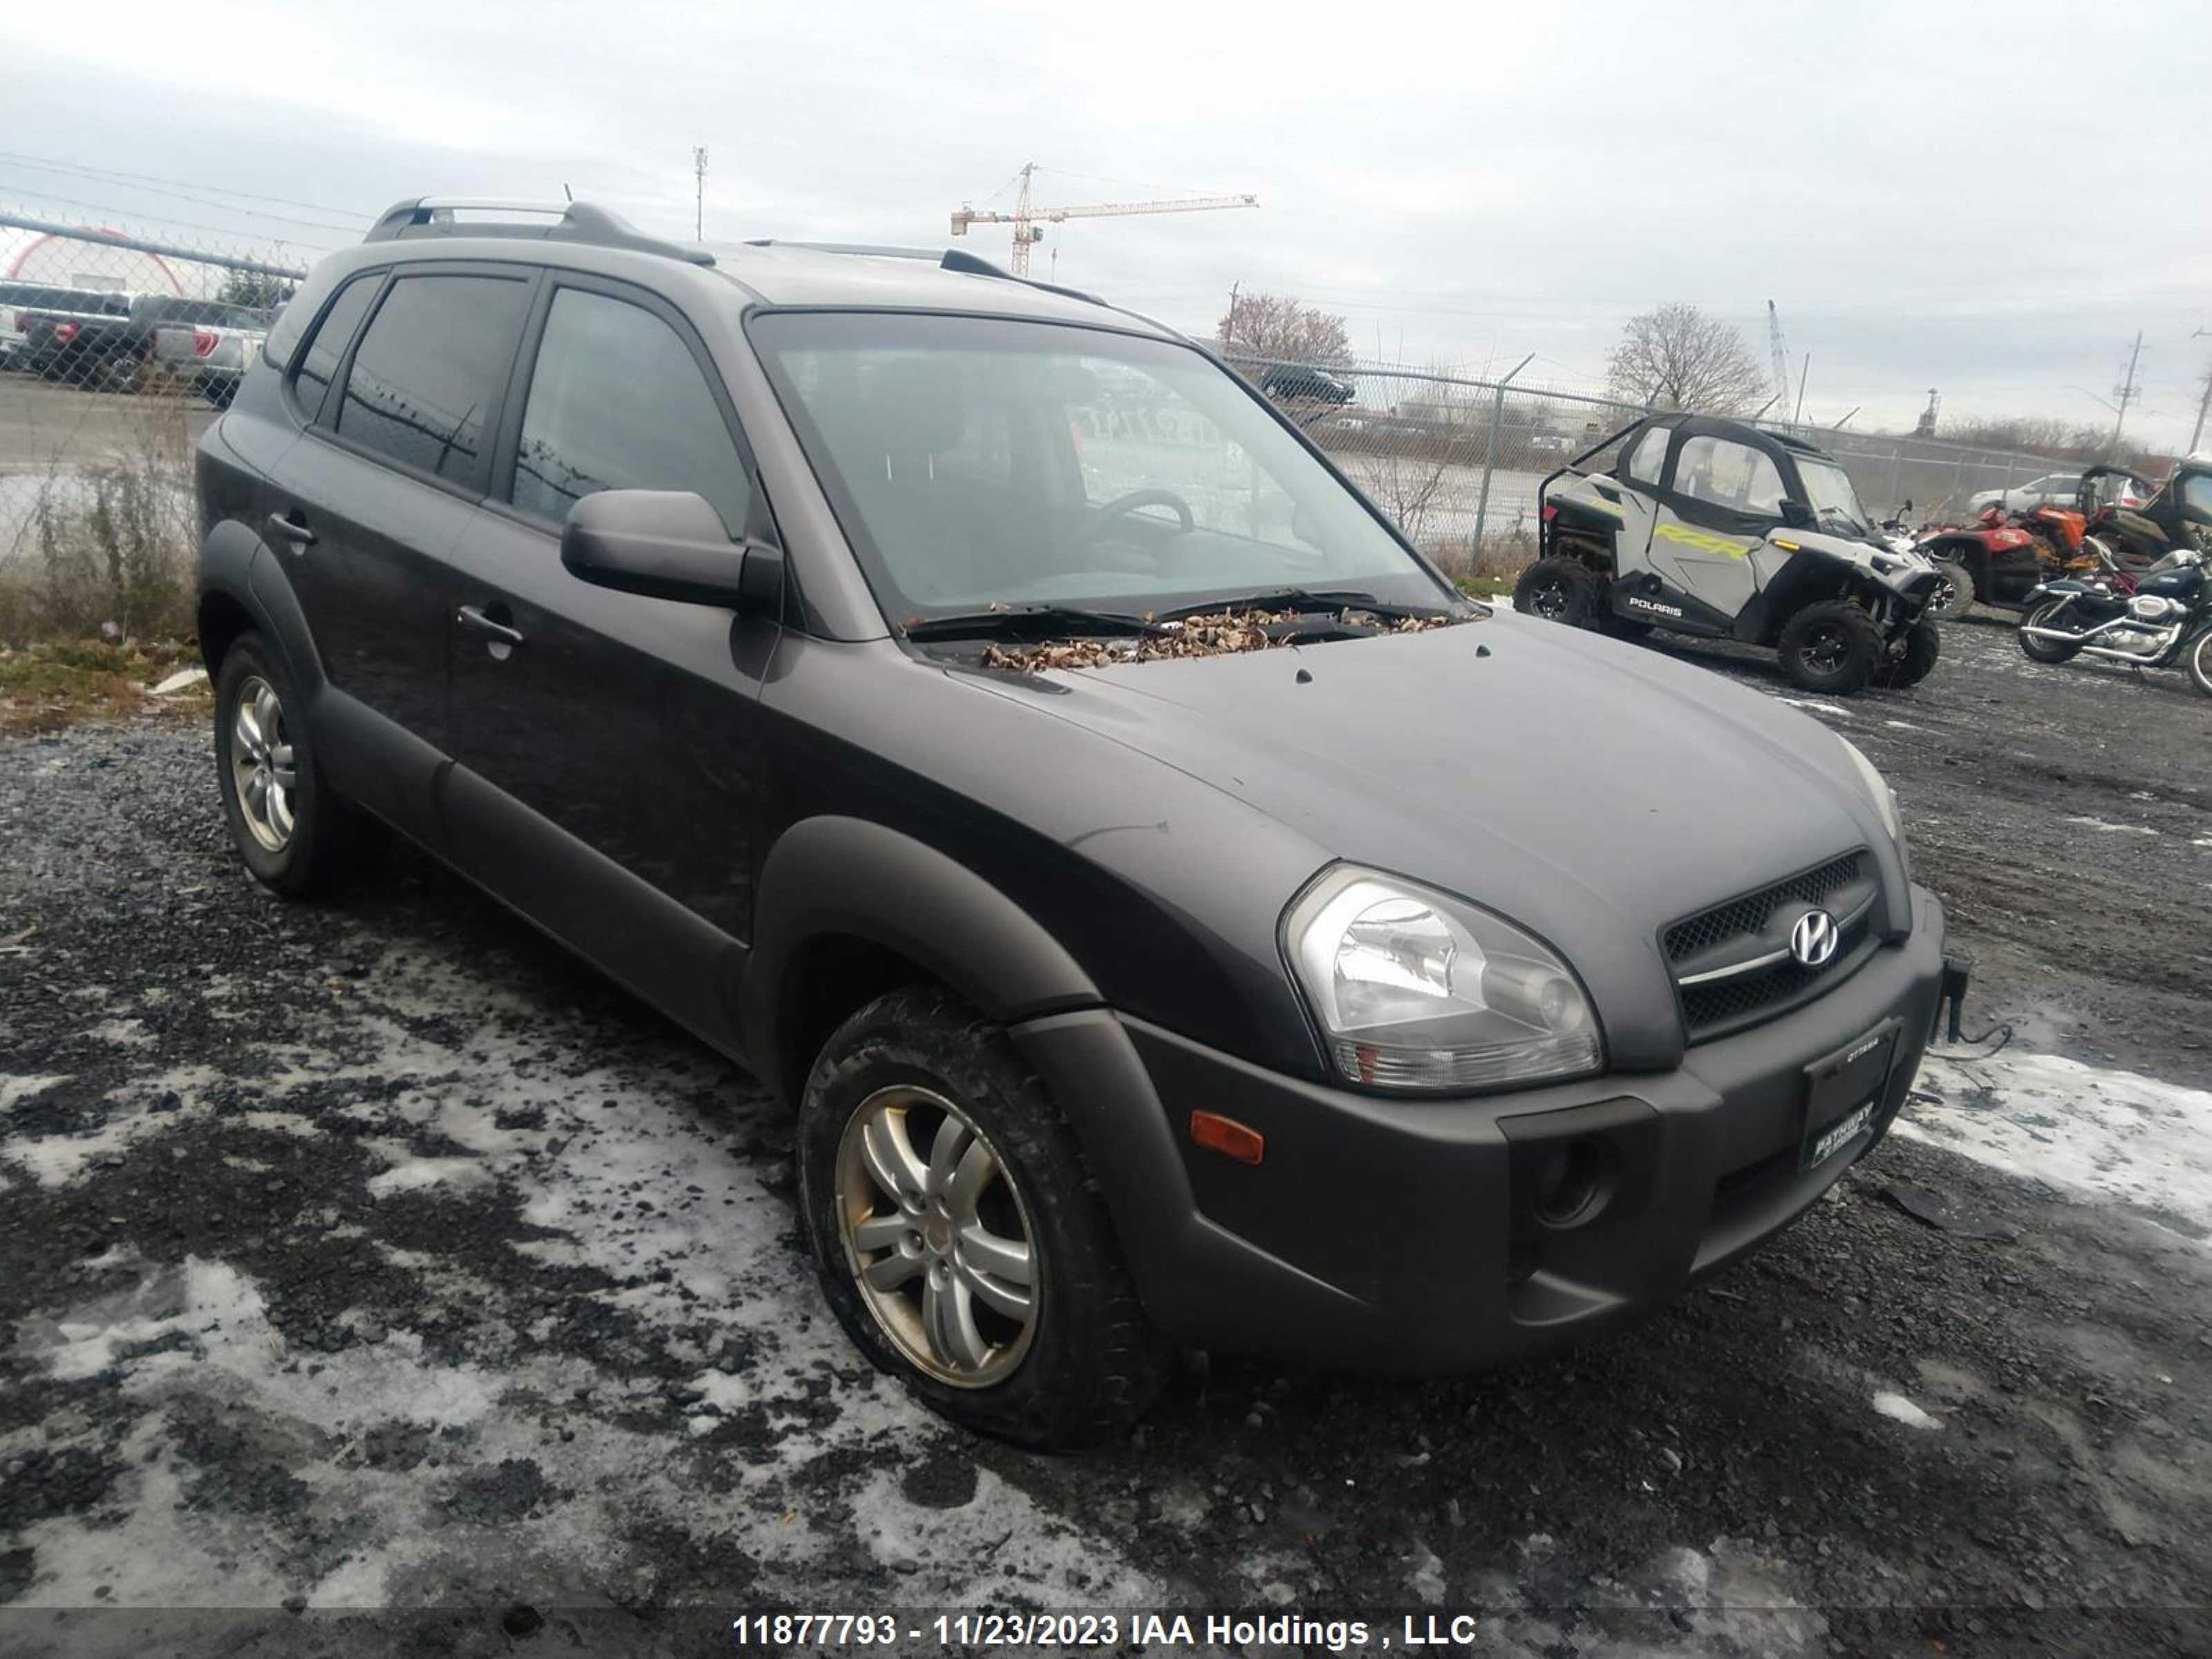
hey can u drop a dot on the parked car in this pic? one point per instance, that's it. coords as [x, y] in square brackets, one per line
[115, 348]
[1717, 528]
[761, 625]
[2053, 490]
[1302, 382]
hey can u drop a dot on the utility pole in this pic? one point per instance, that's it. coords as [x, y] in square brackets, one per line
[699, 192]
[1229, 333]
[1798, 418]
[2127, 393]
[2203, 404]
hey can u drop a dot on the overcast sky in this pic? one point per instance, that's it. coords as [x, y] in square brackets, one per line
[1987, 200]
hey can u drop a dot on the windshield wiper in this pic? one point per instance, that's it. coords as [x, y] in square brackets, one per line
[1307, 598]
[1027, 621]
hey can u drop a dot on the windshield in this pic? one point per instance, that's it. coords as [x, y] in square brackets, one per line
[975, 461]
[1828, 492]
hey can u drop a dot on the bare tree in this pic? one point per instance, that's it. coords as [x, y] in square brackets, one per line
[1279, 328]
[1408, 484]
[1678, 357]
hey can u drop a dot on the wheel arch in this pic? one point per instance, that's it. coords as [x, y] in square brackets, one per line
[849, 909]
[241, 591]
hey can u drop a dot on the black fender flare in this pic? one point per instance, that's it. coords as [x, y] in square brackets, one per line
[238, 564]
[835, 876]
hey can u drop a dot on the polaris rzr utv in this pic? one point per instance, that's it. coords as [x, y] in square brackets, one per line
[1715, 528]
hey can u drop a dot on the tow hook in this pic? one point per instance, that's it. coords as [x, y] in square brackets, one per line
[1956, 972]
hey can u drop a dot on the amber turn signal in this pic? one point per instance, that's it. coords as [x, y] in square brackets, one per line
[1226, 1136]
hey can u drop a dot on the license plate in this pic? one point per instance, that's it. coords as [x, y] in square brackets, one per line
[1843, 1092]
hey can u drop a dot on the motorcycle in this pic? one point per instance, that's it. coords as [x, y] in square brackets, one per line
[2166, 622]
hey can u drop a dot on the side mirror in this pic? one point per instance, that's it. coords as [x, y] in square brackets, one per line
[1907, 507]
[669, 544]
[1796, 514]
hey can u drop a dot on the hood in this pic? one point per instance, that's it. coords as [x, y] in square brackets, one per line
[1591, 791]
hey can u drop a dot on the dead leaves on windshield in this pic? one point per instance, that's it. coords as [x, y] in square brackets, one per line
[1213, 634]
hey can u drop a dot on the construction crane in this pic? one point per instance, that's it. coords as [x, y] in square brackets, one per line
[1781, 354]
[1028, 231]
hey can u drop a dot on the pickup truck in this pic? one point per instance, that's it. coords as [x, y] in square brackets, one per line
[115, 346]
[56, 315]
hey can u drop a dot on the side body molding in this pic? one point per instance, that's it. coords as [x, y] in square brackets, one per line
[839, 876]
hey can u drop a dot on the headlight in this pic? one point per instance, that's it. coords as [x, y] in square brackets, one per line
[1877, 787]
[1415, 990]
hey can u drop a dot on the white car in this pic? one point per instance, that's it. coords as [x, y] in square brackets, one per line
[2054, 489]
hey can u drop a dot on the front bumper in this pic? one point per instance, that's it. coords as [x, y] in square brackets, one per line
[1404, 1236]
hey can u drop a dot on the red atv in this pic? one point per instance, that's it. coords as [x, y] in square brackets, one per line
[1991, 560]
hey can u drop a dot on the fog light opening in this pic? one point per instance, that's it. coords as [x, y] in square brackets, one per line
[1572, 1183]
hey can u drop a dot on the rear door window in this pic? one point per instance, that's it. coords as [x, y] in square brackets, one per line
[1733, 476]
[1644, 460]
[619, 402]
[425, 378]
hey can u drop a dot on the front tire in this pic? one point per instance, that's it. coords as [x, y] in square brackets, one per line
[1558, 589]
[959, 1238]
[295, 835]
[1954, 590]
[2044, 650]
[2199, 659]
[1831, 649]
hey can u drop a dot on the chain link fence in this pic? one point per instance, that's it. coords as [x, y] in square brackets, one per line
[1458, 462]
[115, 353]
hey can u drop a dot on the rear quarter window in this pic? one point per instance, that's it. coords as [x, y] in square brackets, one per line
[320, 363]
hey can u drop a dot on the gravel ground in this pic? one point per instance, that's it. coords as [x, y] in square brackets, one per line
[378, 1255]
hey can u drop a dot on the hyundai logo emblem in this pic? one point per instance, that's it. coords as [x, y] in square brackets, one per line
[1813, 939]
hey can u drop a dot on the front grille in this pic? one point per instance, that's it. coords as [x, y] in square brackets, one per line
[1704, 947]
[1746, 918]
[1725, 1003]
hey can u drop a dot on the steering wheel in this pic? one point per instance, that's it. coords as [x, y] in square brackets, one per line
[1123, 505]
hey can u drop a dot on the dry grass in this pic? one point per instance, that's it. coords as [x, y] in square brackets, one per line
[102, 545]
[52, 685]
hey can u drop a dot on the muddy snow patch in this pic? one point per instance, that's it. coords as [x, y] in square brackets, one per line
[1837, 709]
[2104, 829]
[15, 1088]
[2104, 1134]
[124, 1116]
[1899, 1409]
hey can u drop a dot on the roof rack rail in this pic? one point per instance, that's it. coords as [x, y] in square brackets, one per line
[552, 222]
[950, 259]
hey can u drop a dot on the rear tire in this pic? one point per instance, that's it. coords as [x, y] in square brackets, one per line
[1832, 649]
[1077, 1360]
[2044, 650]
[1558, 589]
[1923, 644]
[295, 835]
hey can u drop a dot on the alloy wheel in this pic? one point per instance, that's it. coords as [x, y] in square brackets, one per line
[1828, 647]
[262, 765]
[1549, 599]
[939, 1240]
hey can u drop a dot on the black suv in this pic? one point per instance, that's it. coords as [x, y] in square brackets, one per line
[1174, 913]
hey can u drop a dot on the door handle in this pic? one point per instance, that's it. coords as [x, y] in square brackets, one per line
[476, 622]
[290, 530]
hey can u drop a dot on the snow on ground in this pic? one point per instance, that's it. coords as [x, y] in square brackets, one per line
[612, 1167]
[1898, 1408]
[2091, 1133]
